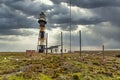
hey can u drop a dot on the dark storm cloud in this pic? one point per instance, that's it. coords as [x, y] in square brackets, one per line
[107, 31]
[111, 30]
[82, 21]
[14, 13]
[29, 7]
[89, 21]
[90, 3]
[112, 14]
[60, 15]
[14, 19]
[16, 32]
[64, 23]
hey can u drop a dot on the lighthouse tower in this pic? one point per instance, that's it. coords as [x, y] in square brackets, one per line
[41, 37]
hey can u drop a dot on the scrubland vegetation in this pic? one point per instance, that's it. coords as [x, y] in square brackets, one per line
[15, 66]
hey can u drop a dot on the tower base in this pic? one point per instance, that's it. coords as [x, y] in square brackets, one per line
[41, 51]
[41, 48]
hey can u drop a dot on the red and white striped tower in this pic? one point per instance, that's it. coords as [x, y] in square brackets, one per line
[41, 39]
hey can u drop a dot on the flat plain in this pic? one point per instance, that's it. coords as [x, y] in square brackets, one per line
[70, 66]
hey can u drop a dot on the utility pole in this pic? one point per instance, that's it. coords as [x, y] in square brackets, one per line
[61, 44]
[103, 52]
[46, 44]
[70, 27]
[80, 42]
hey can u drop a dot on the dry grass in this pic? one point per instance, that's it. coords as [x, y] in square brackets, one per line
[69, 67]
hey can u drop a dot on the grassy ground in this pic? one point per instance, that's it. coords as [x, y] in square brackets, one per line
[15, 66]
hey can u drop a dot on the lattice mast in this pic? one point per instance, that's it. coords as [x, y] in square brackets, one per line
[41, 38]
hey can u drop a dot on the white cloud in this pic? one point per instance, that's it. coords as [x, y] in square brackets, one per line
[47, 2]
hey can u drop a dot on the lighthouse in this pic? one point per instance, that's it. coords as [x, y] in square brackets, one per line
[41, 37]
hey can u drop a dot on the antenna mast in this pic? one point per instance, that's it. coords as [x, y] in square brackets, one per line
[70, 26]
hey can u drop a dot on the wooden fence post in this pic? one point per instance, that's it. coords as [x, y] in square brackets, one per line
[103, 54]
[80, 42]
[46, 44]
[61, 44]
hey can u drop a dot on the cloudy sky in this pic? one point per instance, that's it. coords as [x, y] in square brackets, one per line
[99, 21]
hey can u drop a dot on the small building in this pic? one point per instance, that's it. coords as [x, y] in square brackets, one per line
[30, 53]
